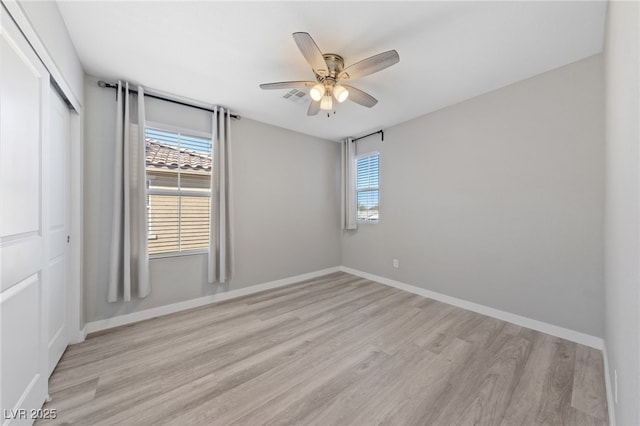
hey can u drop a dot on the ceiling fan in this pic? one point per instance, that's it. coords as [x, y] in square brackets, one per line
[331, 75]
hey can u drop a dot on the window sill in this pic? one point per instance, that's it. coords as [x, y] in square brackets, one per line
[177, 254]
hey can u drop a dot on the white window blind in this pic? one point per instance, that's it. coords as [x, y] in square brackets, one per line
[368, 187]
[178, 170]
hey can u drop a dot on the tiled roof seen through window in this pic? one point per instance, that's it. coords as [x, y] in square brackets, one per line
[160, 155]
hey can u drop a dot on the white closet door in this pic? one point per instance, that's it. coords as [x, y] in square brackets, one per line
[24, 103]
[56, 276]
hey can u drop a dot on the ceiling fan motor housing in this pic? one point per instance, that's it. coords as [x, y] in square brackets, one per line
[335, 65]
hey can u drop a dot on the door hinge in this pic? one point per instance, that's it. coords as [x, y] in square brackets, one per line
[68, 238]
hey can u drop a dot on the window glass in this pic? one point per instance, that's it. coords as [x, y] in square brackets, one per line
[368, 187]
[178, 170]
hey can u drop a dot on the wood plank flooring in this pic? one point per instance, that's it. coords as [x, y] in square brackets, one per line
[336, 350]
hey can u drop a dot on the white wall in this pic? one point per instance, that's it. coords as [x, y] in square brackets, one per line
[622, 212]
[498, 200]
[286, 204]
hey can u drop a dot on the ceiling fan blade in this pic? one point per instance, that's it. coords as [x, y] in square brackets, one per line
[288, 85]
[360, 97]
[370, 65]
[314, 108]
[311, 53]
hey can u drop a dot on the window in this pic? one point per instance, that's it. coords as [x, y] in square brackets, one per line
[368, 187]
[178, 168]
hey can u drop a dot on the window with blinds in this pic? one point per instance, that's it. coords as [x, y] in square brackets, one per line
[178, 168]
[368, 187]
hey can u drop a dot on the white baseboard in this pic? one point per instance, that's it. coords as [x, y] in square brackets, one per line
[104, 324]
[80, 335]
[554, 330]
[609, 387]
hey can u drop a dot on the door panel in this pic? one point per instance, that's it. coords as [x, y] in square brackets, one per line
[21, 141]
[21, 86]
[21, 257]
[56, 296]
[57, 184]
[24, 99]
[21, 330]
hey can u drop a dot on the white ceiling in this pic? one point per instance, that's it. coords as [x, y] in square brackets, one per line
[219, 52]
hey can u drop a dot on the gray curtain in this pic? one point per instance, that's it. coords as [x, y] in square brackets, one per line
[348, 185]
[221, 262]
[129, 258]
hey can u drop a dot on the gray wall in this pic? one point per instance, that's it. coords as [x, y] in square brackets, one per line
[286, 205]
[622, 213]
[498, 200]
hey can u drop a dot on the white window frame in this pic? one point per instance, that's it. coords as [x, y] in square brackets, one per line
[355, 171]
[178, 192]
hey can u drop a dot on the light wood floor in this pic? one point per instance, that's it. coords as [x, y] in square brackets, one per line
[336, 350]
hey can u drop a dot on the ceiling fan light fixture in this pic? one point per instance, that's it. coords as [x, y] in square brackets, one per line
[317, 92]
[340, 93]
[326, 103]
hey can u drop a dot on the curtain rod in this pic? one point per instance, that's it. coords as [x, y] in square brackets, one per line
[371, 134]
[113, 86]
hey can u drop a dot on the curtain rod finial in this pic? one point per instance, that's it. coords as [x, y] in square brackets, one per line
[102, 83]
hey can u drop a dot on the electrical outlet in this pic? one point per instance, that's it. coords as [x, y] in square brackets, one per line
[615, 386]
[396, 264]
